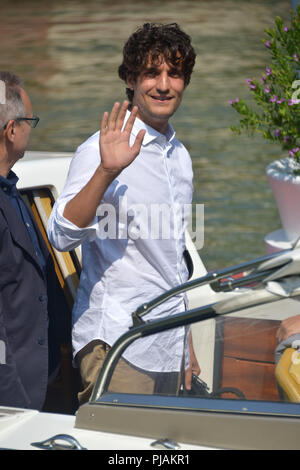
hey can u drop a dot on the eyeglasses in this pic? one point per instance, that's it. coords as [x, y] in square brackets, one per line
[33, 122]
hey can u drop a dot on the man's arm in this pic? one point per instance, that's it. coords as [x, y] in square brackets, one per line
[194, 367]
[290, 326]
[116, 154]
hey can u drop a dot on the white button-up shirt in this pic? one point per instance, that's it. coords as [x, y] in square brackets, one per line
[133, 250]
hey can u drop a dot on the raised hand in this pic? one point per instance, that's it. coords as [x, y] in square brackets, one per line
[116, 152]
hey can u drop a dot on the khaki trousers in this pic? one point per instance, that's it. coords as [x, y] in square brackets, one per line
[125, 379]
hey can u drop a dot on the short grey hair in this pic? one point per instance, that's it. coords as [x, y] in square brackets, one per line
[13, 106]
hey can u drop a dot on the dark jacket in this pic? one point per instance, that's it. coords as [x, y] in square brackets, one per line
[33, 314]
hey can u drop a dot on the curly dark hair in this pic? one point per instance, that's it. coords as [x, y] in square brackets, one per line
[156, 40]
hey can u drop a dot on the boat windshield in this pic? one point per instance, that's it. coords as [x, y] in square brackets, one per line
[236, 356]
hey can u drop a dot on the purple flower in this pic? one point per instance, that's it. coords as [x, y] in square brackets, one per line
[296, 58]
[268, 44]
[267, 89]
[234, 101]
[294, 151]
[277, 133]
[274, 99]
[285, 29]
[268, 71]
[292, 102]
[287, 138]
[280, 101]
[251, 84]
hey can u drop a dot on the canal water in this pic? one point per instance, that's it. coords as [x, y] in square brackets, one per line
[68, 52]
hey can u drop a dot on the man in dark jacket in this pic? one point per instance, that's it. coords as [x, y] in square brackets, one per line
[31, 303]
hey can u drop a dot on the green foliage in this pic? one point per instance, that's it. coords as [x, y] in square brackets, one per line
[275, 113]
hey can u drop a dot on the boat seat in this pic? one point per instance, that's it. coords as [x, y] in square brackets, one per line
[67, 264]
[288, 375]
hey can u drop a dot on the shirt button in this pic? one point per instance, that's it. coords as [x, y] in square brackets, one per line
[42, 298]
[41, 341]
[4, 188]
[27, 224]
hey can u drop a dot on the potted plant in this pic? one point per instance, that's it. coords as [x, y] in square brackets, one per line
[275, 114]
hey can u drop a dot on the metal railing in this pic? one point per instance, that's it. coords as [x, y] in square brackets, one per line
[277, 266]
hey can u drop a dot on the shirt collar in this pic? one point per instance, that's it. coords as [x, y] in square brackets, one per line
[10, 182]
[151, 134]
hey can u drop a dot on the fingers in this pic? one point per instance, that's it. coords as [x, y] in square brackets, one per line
[188, 379]
[115, 120]
[130, 121]
[121, 115]
[112, 126]
[104, 122]
[108, 121]
[113, 117]
[138, 142]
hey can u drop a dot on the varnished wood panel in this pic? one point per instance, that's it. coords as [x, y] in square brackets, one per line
[252, 339]
[248, 357]
[255, 379]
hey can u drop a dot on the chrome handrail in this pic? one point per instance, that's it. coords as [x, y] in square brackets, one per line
[141, 328]
[214, 279]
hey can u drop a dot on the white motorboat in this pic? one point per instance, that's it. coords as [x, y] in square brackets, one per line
[242, 399]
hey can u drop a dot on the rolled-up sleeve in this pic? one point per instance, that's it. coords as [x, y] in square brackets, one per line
[62, 233]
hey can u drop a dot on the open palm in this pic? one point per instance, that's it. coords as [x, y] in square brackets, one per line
[115, 149]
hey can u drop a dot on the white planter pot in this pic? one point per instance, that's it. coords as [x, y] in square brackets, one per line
[286, 190]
